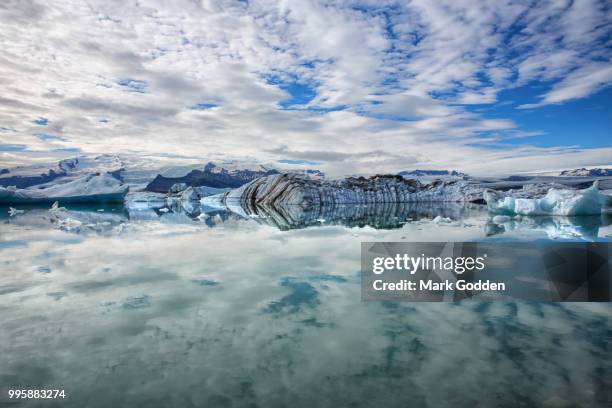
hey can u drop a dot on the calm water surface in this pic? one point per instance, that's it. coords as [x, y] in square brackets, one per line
[166, 310]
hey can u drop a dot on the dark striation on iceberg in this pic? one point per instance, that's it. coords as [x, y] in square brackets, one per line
[295, 189]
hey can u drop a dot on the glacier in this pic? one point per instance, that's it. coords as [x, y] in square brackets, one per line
[86, 189]
[62, 171]
[589, 201]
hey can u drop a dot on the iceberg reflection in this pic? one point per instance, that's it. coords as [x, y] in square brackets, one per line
[556, 227]
[379, 216]
[389, 216]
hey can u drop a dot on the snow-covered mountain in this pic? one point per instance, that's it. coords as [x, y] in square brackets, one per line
[219, 175]
[420, 173]
[210, 175]
[154, 174]
[584, 172]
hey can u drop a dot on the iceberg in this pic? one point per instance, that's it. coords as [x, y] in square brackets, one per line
[69, 224]
[441, 220]
[86, 189]
[556, 202]
[13, 212]
[295, 189]
[55, 208]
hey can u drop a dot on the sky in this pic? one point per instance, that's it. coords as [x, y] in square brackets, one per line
[344, 86]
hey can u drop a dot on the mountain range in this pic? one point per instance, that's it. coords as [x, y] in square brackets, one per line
[421, 173]
[583, 172]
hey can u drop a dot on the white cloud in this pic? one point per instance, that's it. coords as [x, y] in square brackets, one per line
[422, 62]
[581, 82]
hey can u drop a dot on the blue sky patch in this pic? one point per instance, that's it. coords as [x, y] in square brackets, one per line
[12, 147]
[582, 122]
[40, 121]
[133, 85]
[300, 92]
[205, 282]
[47, 137]
[297, 161]
[203, 106]
[68, 149]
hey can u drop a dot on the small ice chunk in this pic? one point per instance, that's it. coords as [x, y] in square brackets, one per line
[44, 269]
[189, 194]
[500, 219]
[136, 302]
[177, 188]
[441, 220]
[55, 208]
[13, 212]
[69, 224]
[164, 210]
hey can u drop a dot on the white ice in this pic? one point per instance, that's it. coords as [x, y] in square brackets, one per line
[556, 202]
[441, 220]
[55, 208]
[94, 187]
[13, 212]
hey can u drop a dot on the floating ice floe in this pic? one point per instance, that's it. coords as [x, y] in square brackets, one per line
[500, 219]
[214, 202]
[441, 220]
[556, 202]
[87, 189]
[69, 224]
[13, 212]
[55, 208]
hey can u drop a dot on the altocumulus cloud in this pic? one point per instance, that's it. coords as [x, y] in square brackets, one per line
[355, 86]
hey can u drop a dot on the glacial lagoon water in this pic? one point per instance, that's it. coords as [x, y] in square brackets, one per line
[153, 308]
